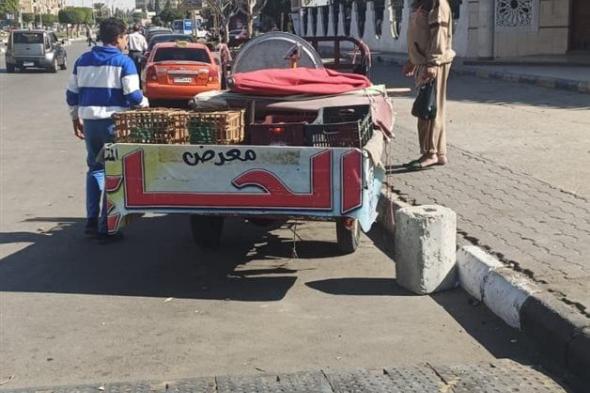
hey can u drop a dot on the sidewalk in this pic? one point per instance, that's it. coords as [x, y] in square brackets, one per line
[556, 76]
[497, 376]
[529, 225]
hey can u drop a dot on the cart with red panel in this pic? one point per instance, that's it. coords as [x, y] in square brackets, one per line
[297, 157]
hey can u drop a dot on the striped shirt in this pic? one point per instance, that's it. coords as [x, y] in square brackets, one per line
[104, 82]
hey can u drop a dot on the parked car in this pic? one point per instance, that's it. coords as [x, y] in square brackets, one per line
[159, 38]
[178, 71]
[153, 31]
[35, 48]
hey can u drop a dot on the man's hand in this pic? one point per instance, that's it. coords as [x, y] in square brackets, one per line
[430, 74]
[409, 69]
[78, 128]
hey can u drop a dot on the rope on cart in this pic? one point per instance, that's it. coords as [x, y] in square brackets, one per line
[295, 236]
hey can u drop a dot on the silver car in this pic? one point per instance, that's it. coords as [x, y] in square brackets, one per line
[35, 48]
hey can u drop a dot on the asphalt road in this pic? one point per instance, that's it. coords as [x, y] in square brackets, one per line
[155, 307]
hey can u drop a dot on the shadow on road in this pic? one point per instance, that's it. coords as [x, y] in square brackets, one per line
[360, 287]
[156, 259]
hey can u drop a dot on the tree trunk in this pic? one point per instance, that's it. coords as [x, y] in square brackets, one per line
[226, 30]
[250, 26]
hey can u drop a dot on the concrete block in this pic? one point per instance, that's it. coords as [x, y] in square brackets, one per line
[425, 248]
[473, 266]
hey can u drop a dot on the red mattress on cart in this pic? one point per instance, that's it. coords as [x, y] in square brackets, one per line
[294, 81]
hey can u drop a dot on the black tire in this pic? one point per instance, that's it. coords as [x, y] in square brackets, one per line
[207, 230]
[348, 239]
[64, 65]
[10, 68]
[53, 67]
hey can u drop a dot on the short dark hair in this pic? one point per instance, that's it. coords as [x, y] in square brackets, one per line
[135, 27]
[110, 29]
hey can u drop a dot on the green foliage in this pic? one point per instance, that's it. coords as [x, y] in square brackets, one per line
[75, 15]
[156, 21]
[138, 16]
[27, 17]
[9, 7]
[168, 15]
[46, 19]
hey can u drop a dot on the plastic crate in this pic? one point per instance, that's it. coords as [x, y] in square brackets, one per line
[286, 129]
[151, 125]
[219, 128]
[349, 126]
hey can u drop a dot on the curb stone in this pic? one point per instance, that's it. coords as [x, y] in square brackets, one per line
[541, 81]
[559, 332]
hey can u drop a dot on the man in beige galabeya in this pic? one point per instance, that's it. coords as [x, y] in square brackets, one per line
[430, 34]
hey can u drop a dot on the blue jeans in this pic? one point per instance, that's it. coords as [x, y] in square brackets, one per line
[96, 134]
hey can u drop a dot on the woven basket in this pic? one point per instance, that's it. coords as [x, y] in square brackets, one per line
[151, 125]
[220, 128]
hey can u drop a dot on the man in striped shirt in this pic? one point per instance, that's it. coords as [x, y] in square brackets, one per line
[104, 81]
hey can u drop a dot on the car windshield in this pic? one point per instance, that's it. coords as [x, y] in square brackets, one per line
[182, 54]
[27, 38]
[169, 38]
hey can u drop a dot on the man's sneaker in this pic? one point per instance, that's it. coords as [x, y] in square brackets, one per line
[104, 239]
[91, 228]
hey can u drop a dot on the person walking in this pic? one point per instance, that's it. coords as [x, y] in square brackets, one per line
[430, 34]
[90, 36]
[137, 46]
[104, 81]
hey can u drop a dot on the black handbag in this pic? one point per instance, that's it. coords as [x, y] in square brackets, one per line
[425, 105]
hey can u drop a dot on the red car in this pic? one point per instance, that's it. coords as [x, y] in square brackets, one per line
[179, 70]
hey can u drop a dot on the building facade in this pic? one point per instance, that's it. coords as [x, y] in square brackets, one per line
[483, 28]
[42, 6]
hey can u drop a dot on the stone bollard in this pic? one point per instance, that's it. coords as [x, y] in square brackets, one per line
[425, 248]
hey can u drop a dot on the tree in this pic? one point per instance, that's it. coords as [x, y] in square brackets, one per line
[222, 11]
[9, 7]
[157, 8]
[138, 16]
[252, 8]
[156, 21]
[27, 17]
[168, 15]
[277, 11]
[46, 19]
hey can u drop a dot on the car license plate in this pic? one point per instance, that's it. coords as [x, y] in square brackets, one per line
[28, 64]
[186, 79]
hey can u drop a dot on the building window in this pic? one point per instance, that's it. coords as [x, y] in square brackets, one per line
[516, 13]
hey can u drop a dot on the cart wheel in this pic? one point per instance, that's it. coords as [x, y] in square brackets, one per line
[206, 230]
[348, 234]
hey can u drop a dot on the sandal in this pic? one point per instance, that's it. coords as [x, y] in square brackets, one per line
[417, 166]
[411, 163]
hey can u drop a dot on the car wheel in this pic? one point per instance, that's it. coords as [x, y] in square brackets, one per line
[10, 68]
[53, 68]
[64, 65]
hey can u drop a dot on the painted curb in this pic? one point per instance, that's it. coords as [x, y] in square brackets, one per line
[541, 81]
[498, 287]
[560, 333]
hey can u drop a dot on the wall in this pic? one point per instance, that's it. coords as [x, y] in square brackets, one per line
[485, 29]
[389, 40]
[546, 34]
